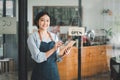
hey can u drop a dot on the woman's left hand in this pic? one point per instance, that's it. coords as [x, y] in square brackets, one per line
[67, 51]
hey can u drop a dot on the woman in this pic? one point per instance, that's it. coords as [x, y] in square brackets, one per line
[44, 48]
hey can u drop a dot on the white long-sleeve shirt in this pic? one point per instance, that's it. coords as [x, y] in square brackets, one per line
[34, 42]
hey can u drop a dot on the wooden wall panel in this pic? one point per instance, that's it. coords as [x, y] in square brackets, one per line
[93, 61]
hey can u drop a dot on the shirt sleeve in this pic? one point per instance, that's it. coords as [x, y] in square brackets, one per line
[36, 55]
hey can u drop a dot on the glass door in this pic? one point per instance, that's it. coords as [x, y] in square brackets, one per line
[8, 41]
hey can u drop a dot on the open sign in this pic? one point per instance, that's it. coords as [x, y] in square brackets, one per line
[76, 31]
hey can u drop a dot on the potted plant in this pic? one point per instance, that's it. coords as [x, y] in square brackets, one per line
[109, 34]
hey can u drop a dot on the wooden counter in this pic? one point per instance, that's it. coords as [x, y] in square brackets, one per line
[93, 61]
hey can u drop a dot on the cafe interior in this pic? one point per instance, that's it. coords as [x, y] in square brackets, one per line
[95, 54]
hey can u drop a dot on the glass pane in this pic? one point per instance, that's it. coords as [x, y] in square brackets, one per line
[61, 18]
[9, 8]
[100, 18]
[8, 43]
[1, 8]
[1, 46]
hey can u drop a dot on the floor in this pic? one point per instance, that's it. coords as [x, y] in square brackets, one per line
[11, 76]
[14, 76]
[8, 76]
[103, 76]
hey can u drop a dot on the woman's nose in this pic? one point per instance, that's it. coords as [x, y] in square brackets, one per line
[45, 22]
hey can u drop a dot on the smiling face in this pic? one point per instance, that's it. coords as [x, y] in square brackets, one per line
[44, 22]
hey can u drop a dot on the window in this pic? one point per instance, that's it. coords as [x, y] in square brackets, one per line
[9, 8]
[1, 8]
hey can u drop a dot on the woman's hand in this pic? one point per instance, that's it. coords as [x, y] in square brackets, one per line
[58, 44]
[66, 52]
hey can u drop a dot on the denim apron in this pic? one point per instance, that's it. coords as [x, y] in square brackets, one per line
[46, 70]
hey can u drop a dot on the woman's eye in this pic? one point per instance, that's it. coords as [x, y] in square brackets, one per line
[47, 20]
[42, 20]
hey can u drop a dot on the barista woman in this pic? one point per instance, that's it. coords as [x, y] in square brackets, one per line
[44, 48]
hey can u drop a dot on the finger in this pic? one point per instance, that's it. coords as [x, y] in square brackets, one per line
[67, 52]
[59, 44]
[69, 48]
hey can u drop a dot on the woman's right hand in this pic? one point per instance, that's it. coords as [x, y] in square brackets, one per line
[58, 44]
